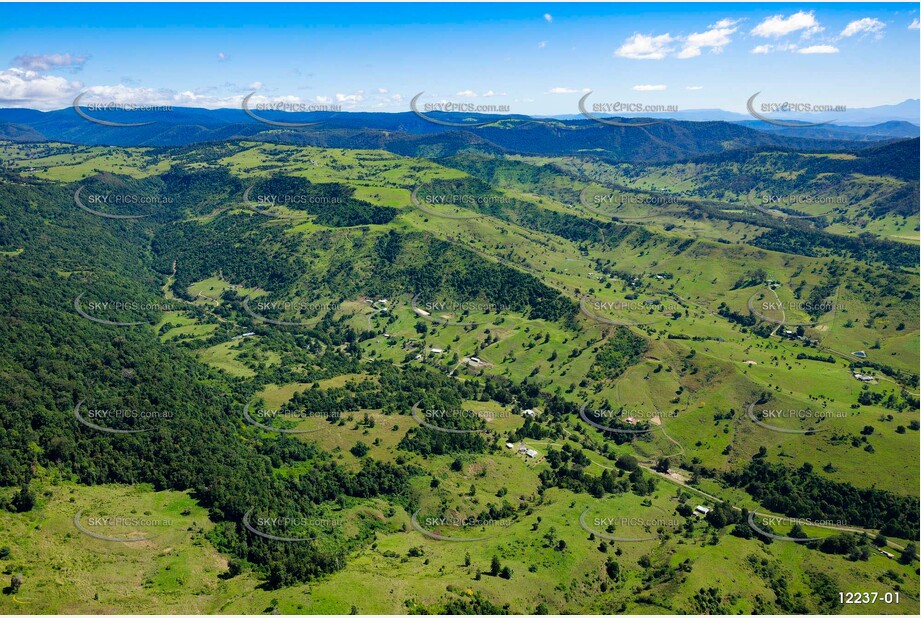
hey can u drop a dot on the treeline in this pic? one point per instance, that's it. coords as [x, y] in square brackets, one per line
[864, 247]
[333, 204]
[196, 440]
[802, 493]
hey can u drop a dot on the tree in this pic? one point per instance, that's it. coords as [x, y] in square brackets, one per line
[495, 566]
[360, 449]
[23, 500]
[612, 568]
[662, 465]
[908, 554]
[16, 583]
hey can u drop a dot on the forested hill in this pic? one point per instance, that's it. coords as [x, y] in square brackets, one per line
[407, 134]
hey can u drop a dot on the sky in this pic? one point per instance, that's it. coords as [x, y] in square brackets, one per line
[532, 58]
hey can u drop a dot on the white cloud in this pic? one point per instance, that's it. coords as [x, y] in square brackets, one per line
[560, 90]
[693, 87]
[542, 45]
[778, 25]
[688, 52]
[649, 87]
[726, 23]
[490, 93]
[222, 57]
[763, 49]
[350, 99]
[714, 39]
[255, 86]
[915, 24]
[548, 18]
[818, 49]
[19, 88]
[649, 47]
[864, 26]
[467, 93]
[646, 47]
[49, 62]
[382, 91]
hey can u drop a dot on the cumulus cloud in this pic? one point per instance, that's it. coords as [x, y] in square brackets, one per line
[777, 26]
[548, 18]
[763, 49]
[649, 87]
[867, 25]
[23, 88]
[915, 24]
[646, 47]
[714, 39]
[222, 57]
[350, 99]
[693, 87]
[818, 49]
[466, 93]
[542, 45]
[49, 62]
[650, 47]
[562, 90]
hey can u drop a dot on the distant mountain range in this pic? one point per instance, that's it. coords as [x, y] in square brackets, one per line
[908, 111]
[407, 133]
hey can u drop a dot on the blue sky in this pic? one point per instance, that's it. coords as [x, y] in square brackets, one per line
[536, 58]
